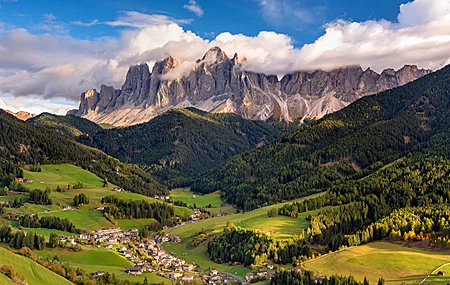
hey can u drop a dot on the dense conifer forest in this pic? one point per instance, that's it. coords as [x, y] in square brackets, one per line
[122, 209]
[182, 143]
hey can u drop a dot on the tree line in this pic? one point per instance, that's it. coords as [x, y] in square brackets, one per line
[19, 239]
[293, 277]
[48, 222]
[138, 209]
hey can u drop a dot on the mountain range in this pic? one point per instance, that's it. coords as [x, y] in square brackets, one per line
[219, 84]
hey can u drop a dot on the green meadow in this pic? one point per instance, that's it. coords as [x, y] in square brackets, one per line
[201, 201]
[395, 263]
[83, 219]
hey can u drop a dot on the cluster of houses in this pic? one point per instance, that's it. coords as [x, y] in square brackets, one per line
[162, 197]
[196, 215]
[162, 263]
[25, 180]
[261, 273]
[214, 277]
[111, 236]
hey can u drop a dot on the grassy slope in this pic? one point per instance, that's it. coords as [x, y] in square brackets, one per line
[67, 174]
[394, 262]
[84, 219]
[200, 201]
[34, 273]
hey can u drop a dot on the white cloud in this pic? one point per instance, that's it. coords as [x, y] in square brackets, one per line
[194, 8]
[133, 19]
[59, 66]
[83, 24]
[421, 12]
[49, 17]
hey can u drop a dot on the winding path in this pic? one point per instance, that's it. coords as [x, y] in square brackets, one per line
[428, 276]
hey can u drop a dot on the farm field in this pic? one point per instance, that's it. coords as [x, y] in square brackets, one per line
[282, 227]
[394, 262]
[201, 201]
[33, 273]
[94, 259]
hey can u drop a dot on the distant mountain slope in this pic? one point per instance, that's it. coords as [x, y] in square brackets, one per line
[220, 84]
[22, 142]
[70, 125]
[182, 143]
[21, 114]
[372, 132]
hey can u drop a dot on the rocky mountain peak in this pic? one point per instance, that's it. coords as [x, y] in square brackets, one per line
[221, 85]
[214, 55]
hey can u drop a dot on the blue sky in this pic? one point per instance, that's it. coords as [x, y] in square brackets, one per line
[243, 16]
[52, 51]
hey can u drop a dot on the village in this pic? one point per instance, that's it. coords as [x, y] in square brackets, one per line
[148, 255]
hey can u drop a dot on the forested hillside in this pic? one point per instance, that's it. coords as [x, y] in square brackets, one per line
[72, 126]
[342, 147]
[23, 143]
[182, 143]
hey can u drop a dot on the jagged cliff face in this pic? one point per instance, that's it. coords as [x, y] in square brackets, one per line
[219, 84]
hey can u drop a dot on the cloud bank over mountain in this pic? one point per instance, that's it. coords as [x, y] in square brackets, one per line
[54, 65]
